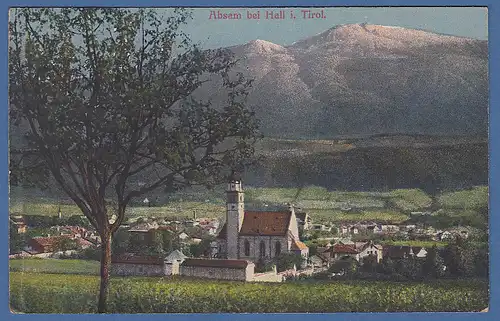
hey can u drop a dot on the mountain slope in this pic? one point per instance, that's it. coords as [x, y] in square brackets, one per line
[368, 79]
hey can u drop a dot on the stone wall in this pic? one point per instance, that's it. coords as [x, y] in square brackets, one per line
[125, 269]
[219, 273]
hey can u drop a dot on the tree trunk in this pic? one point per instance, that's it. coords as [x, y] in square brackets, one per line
[105, 270]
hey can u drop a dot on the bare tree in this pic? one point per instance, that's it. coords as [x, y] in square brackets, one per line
[108, 97]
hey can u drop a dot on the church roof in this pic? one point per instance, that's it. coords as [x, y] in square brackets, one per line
[262, 223]
[266, 223]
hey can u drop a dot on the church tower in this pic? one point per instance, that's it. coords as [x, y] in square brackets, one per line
[235, 212]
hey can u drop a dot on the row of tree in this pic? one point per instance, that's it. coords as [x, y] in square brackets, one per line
[44, 221]
[454, 261]
[159, 243]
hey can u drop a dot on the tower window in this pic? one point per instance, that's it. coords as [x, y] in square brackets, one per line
[247, 248]
[262, 249]
[232, 198]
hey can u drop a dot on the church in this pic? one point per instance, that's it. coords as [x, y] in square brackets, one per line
[256, 235]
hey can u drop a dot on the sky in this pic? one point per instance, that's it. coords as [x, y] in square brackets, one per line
[212, 33]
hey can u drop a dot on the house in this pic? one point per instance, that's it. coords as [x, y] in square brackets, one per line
[325, 254]
[378, 229]
[340, 251]
[209, 226]
[141, 232]
[346, 241]
[18, 222]
[73, 231]
[191, 223]
[196, 240]
[299, 247]
[446, 235]
[462, 232]
[51, 244]
[370, 229]
[318, 261]
[303, 219]
[390, 228]
[211, 230]
[255, 235]
[410, 227]
[353, 229]
[183, 236]
[320, 227]
[369, 248]
[419, 252]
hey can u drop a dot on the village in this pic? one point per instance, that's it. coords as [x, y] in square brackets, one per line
[248, 245]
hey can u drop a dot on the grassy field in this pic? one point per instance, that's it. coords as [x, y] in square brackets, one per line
[336, 216]
[173, 209]
[54, 266]
[179, 209]
[322, 204]
[426, 244]
[57, 293]
[473, 198]
[43, 208]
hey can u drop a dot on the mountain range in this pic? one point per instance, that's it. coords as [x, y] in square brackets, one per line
[362, 79]
[360, 107]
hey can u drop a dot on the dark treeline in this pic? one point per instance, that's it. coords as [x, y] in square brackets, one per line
[378, 168]
[432, 169]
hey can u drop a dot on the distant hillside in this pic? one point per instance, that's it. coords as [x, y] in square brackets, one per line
[373, 163]
[366, 107]
[365, 80]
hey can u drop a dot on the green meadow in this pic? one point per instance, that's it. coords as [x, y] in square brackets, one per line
[66, 293]
[323, 205]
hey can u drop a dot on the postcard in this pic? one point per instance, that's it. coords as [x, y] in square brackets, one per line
[248, 160]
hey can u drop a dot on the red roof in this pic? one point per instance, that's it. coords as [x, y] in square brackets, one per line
[83, 242]
[344, 248]
[230, 264]
[46, 244]
[48, 240]
[265, 223]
